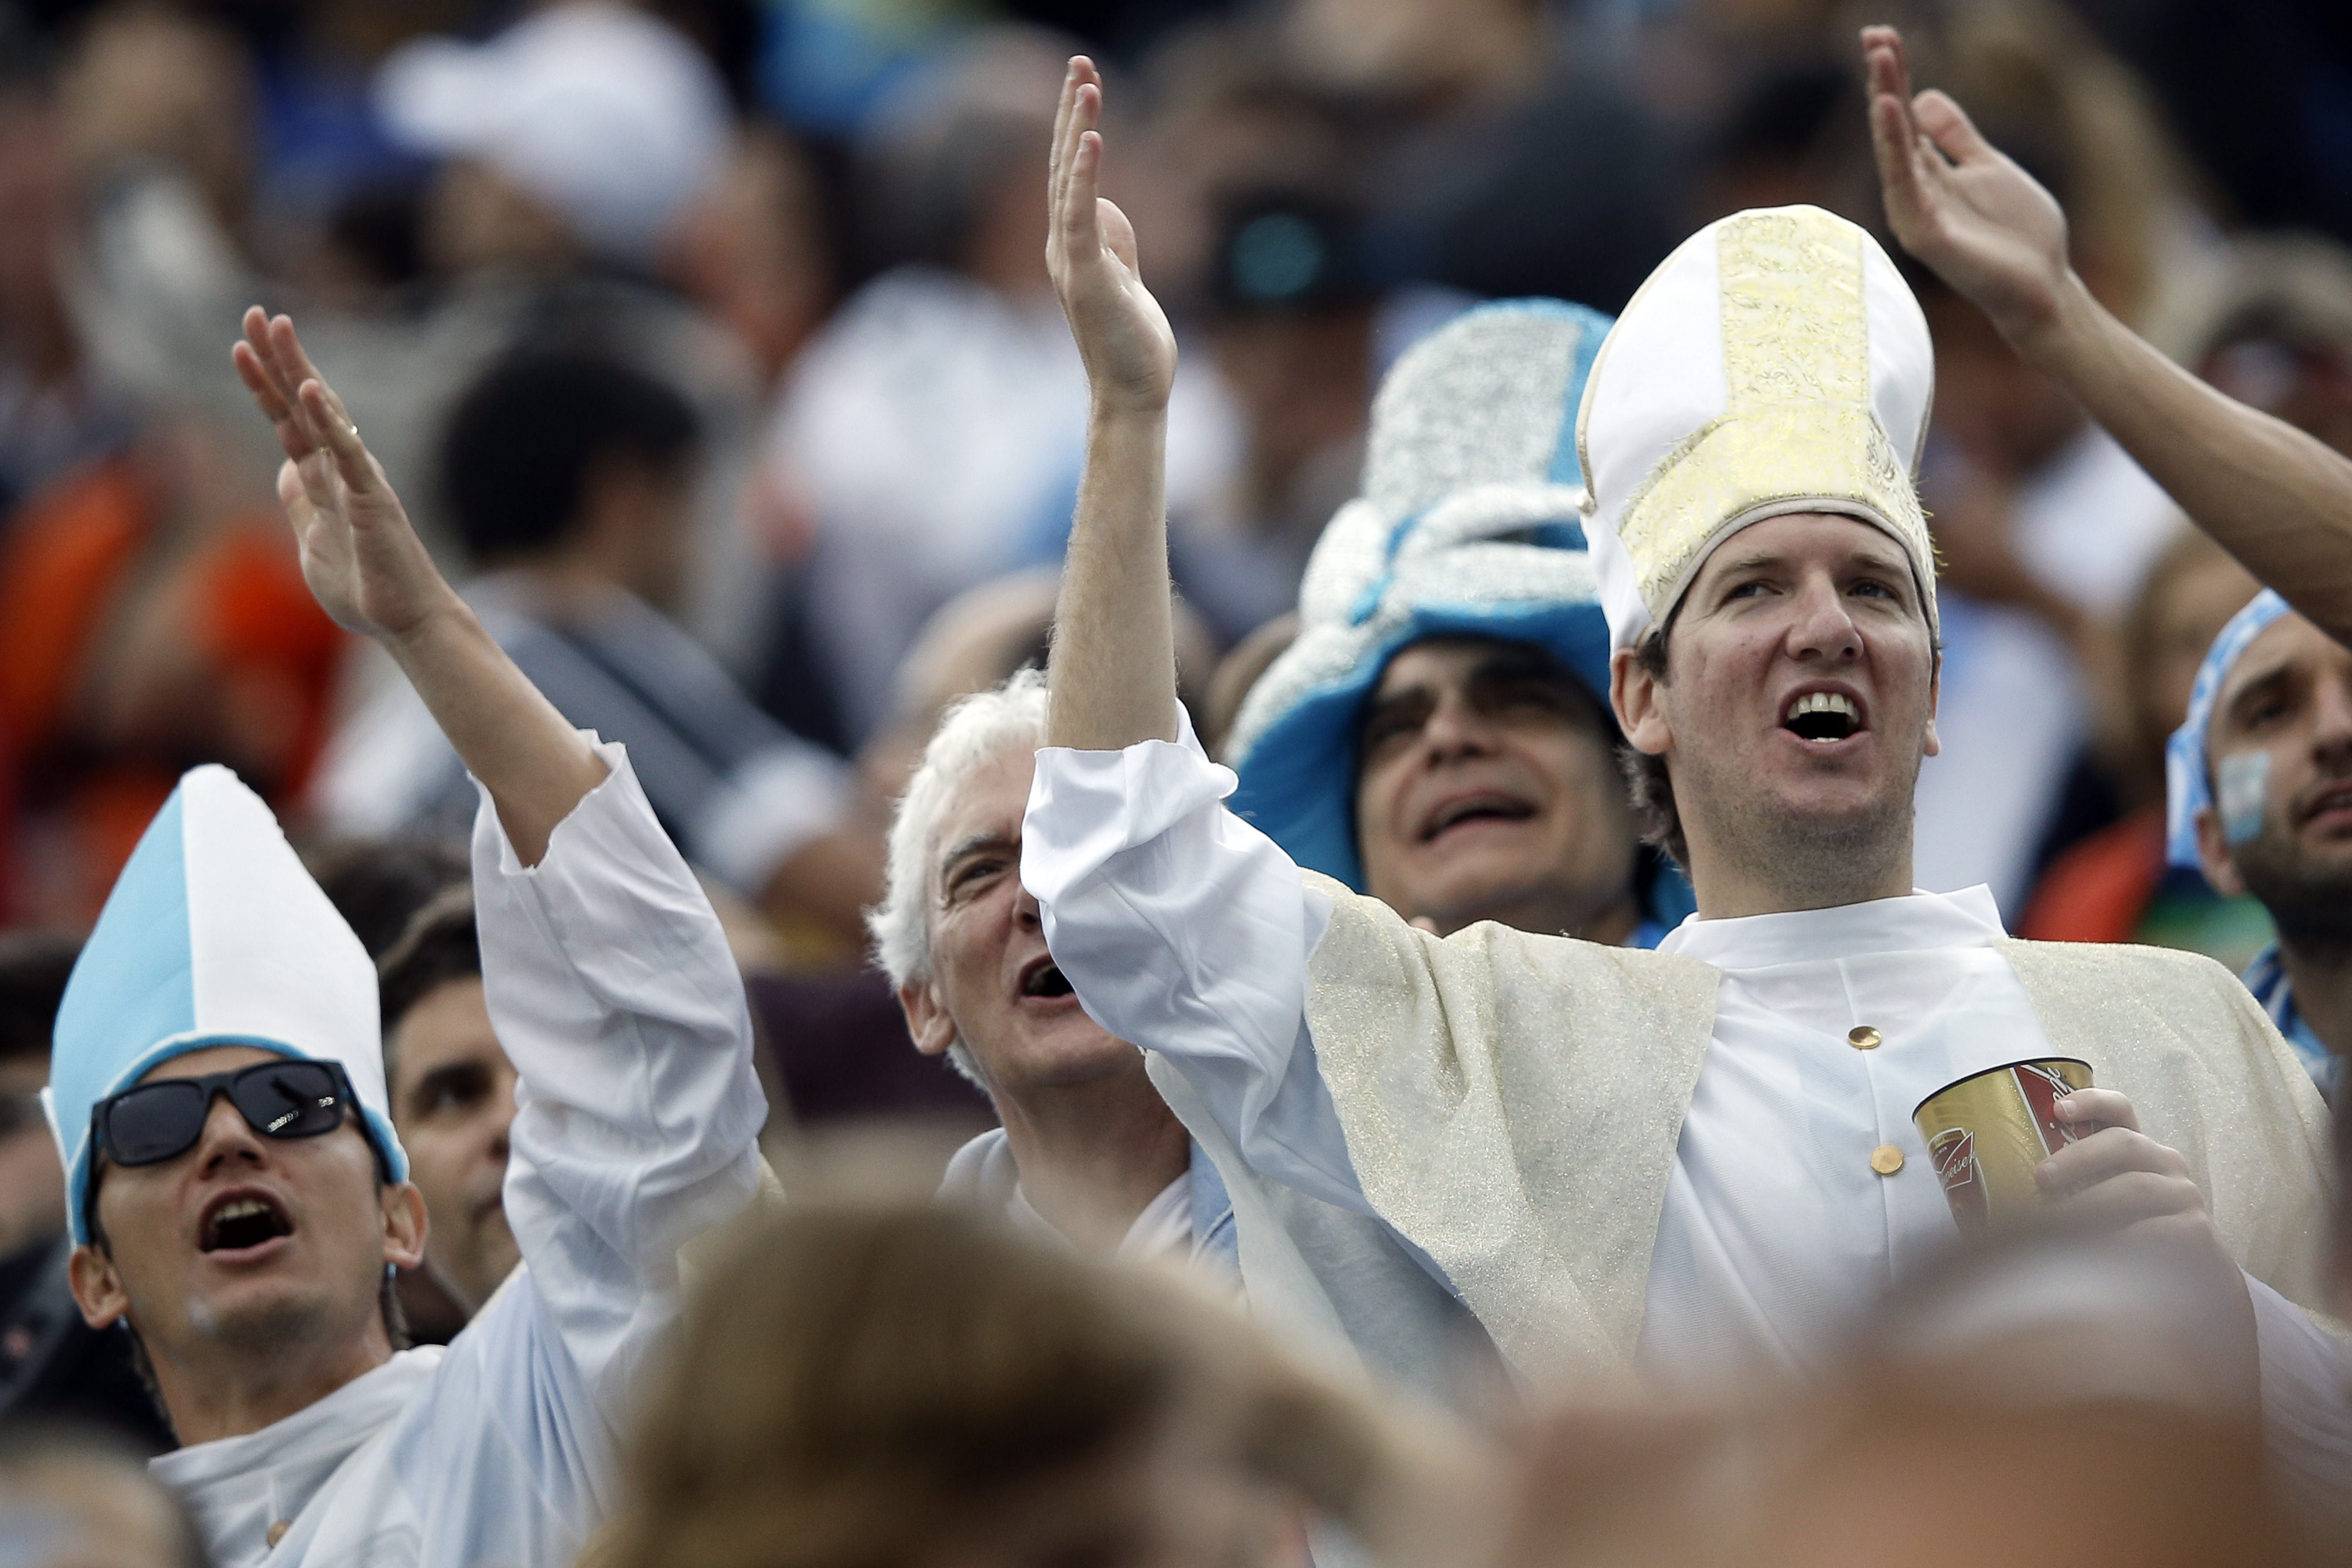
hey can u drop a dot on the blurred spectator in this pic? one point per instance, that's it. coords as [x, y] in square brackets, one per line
[70, 1499]
[585, 126]
[53, 412]
[2114, 886]
[563, 233]
[1229, 111]
[153, 614]
[2048, 1372]
[1290, 328]
[1238, 675]
[51, 1363]
[452, 1094]
[2044, 527]
[34, 966]
[754, 250]
[377, 885]
[934, 426]
[1514, 155]
[974, 643]
[568, 475]
[914, 1385]
[1087, 1151]
[2273, 329]
[2262, 95]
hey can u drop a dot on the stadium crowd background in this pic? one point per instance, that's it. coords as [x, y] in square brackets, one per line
[742, 307]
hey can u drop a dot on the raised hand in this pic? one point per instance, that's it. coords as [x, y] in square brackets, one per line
[1122, 334]
[362, 558]
[1959, 204]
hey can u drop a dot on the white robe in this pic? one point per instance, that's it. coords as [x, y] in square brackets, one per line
[1185, 930]
[637, 1115]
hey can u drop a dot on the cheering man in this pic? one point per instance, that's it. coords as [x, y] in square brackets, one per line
[234, 1182]
[1700, 1159]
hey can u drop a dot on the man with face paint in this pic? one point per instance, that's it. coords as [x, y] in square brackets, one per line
[1700, 1161]
[2259, 797]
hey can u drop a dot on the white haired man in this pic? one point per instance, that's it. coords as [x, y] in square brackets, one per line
[1087, 1151]
[1700, 1160]
[234, 1185]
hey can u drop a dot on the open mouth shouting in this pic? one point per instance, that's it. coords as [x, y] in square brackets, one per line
[1822, 718]
[1477, 806]
[242, 1221]
[1041, 978]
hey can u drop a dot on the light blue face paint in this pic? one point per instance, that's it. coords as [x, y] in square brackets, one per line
[2242, 781]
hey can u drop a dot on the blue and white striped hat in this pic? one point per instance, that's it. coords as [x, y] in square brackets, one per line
[2188, 771]
[214, 935]
[1470, 525]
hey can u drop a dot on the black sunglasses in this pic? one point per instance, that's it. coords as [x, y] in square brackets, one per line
[155, 1122]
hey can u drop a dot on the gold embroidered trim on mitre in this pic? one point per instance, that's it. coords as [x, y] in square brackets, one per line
[1797, 425]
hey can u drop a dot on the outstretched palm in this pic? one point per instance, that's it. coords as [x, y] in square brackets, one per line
[362, 561]
[1122, 334]
[1957, 203]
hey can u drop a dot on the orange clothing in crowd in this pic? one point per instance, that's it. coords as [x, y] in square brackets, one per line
[250, 679]
[2115, 886]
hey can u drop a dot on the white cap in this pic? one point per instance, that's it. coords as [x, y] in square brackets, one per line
[1775, 362]
[608, 115]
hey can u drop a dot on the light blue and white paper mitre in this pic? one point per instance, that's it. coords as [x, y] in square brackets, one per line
[1469, 525]
[215, 935]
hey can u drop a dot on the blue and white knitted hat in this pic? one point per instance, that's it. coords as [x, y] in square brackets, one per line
[2188, 771]
[1469, 525]
[214, 935]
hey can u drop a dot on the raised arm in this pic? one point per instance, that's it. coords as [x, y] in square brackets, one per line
[370, 572]
[2273, 497]
[1113, 667]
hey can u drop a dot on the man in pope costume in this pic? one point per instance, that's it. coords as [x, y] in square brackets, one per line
[1700, 1160]
[243, 1231]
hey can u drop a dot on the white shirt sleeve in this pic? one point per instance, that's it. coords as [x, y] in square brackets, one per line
[2307, 1402]
[1185, 930]
[637, 1110]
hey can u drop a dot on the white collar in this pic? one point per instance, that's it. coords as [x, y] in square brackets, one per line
[289, 1460]
[1966, 919]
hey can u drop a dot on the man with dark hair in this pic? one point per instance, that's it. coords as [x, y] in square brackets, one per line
[566, 454]
[570, 475]
[453, 1099]
[377, 885]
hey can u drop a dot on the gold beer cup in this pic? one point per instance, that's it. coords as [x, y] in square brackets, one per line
[1987, 1133]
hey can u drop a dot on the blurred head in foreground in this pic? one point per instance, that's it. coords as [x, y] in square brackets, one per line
[2053, 1398]
[69, 1499]
[869, 1387]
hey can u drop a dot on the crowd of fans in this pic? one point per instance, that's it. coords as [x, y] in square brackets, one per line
[713, 351]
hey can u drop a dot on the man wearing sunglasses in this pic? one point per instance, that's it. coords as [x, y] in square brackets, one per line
[235, 1186]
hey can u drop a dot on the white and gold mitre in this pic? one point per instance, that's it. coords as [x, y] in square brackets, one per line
[1775, 362]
